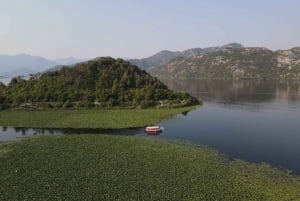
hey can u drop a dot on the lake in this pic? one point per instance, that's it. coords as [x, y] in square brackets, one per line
[249, 120]
[256, 121]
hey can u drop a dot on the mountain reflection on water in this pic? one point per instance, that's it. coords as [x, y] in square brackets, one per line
[257, 121]
[238, 92]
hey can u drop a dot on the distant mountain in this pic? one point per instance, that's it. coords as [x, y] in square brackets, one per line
[102, 82]
[196, 51]
[69, 61]
[24, 64]
[155, 60]
[230, 62]
[165, 56]
[232, 45]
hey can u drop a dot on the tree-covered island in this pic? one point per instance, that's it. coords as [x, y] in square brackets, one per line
[102, 82]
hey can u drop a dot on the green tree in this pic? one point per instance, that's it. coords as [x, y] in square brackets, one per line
[107, 81]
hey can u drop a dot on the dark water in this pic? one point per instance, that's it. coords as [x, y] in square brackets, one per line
[249, 120]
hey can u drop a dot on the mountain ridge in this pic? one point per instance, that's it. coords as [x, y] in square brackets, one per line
[16, 68]
[165, 56]
[234, 63]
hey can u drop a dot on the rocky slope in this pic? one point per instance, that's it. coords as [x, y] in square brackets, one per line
[165, 56]
[234, 63]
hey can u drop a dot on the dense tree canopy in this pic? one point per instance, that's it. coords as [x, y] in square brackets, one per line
[3, 96]
[103, 82]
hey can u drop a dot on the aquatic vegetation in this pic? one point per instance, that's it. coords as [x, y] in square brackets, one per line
[100, 167]
[88, 118]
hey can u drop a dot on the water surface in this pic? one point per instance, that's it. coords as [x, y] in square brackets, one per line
[14, 133]
[253, 121]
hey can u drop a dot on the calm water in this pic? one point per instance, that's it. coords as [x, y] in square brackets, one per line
[8, 133]
[253, 121]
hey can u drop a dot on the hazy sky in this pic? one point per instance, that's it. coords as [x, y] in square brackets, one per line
[139, 28]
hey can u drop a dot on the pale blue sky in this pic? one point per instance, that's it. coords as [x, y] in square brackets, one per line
[140, 28]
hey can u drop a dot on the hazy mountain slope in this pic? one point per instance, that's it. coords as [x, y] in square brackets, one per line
[157, 59]
[69, 61]
[165, 56]
[54, 68]
[234, 63]
[24, 64]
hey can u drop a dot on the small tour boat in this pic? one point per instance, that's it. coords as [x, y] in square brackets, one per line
[154, 129]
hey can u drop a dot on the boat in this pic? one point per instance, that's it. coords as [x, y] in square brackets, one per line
[154, 129]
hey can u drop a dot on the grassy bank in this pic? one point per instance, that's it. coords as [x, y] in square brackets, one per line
[89, 118]
[93, 167]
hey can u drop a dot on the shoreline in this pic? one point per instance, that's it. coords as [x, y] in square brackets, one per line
[89, 118]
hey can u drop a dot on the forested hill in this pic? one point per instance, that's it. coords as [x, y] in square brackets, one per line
[103, 82]
[234, 63]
